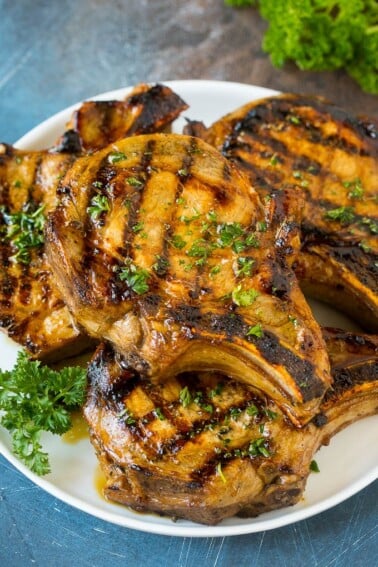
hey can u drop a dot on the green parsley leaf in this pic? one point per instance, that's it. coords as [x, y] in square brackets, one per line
[343, 214]
[314, 467]
[185, 397]
[34, 398]
[356, 189]
[134, 181]
[24, 230]
[99, 204]
[136, 278]
[115, 157]
[244, 297]
[255, 331]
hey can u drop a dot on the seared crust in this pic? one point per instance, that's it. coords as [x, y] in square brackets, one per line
[332, 156]
[187, 222]
[32, 310]
[147, 109]
[204, 447]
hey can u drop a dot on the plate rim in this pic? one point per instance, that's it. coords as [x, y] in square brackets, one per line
[137, 523]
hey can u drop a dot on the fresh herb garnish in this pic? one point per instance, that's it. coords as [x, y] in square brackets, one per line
[185, 397]
[24, 230]
[134, 181]
[99, 204]
[255, 331]
[220, 472]
[245, 266]
[343, 214]
[314, 467]
[259, 447]
[322, 35]
[136, 278]
[115, 157]
[178, 242]
[356, 189]
[34, 398]
[244, 297]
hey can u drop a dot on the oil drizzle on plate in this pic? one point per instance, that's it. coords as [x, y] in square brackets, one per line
[78, 431]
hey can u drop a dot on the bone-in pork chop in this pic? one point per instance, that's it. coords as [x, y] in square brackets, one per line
[161, 247]
[204, 447]
[333, 157]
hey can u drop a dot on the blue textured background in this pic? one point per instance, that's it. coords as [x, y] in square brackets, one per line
[53, 54]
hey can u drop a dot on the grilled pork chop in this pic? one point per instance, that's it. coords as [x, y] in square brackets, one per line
[333, 158]
[32, 310]
[161, 247]
[145, 110]
[204, 447]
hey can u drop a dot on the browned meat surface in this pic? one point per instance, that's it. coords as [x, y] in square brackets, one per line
[204, 447]
[332, 156]
[147, 109]
[161, 247]
[32, 311]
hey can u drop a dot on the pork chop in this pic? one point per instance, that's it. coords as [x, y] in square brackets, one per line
[332, 157]
[204, 447]
[162, 247]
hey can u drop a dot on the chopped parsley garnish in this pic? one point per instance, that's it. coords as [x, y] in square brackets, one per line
[159, 414]
[261, 226]
[138, 227]
[255, 331]
[371, 224]
[34, 398]
[274, 160]
[343, 214]
[252, 410]
[228, 233]
[314, 467]
[356, 189]
[24, 230]
[127, 417]
[220, 472]
[244, 297]
[365, 246]
[99, 204]
[259, 447]
[183, 172]
[136, 278]
[178, 242]
[115, 157]
[134, 181]
[214, 271]
[200, 249]
[245, 266]
[185, 397]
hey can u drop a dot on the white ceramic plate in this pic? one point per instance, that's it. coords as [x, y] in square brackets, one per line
[348, 465]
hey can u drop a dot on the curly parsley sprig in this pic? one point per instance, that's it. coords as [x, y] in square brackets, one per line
[321, 35]
[34, 398]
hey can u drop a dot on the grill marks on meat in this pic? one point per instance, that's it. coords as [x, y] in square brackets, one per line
[300, 140]
[147, 109]
[174, 203]
[32, 311]
[203, 447]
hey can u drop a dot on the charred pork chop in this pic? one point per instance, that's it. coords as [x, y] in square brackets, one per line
[204, 447]
[146, 109]
[32, 310]
[162, 247]
[333, 158]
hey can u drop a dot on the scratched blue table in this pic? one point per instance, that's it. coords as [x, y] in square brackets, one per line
[53, 54]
